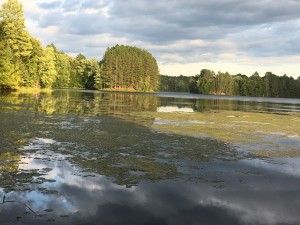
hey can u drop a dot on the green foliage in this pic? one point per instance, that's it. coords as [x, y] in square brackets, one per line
[31, 78]
[127, 67]
[76, 74]
[270, 85]
[63, 68]
[24, 62]
[92, 74]
[10, 77]
[13, 22]
[174, 84]
[85, 73]
[47, 70]
[207, 82]
[97, 78]
[224, 84]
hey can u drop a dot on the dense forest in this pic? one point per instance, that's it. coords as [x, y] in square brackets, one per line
[175, 84]
[129, 68]
[208, 82]
[25, 63]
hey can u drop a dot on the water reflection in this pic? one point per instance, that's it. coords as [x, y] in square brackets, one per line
[251, 195]
[172, 109]
[77, 157]
[94, 103]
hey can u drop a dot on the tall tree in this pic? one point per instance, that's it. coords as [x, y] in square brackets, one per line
[16, 37]
[10, 77]
[63, 68]
[272, 84]
[128, 67]
[207, 82]
[47, 70]
[15, 33]
[225, 84]
[92, 74]
[31, 77]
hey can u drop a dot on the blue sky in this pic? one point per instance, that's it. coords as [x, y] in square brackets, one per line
[184, 36]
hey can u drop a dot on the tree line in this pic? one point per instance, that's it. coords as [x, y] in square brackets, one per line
[24, 62]
[129, 68]
[209, 82]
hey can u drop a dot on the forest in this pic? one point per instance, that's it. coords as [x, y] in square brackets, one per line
[208, 82]
[126, 67]
[24, 62]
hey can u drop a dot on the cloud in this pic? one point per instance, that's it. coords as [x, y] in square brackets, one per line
[173, 31]
[50, 5]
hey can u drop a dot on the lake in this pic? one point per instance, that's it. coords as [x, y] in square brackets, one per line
[89, 157]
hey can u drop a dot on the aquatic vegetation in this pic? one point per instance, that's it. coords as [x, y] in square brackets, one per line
[234, 127]
[28, 90]
[134, 142]
[8, 162]
[278, 153]
[107, 146]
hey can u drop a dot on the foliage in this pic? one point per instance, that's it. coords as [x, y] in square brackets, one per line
[15, 34]
[14, 43]
[63, 68]
[85, 73]
[127, 67]
[32, 77]
[24, 62]
[10, 77]
[207, 82]
[174, 84]
[47, 69]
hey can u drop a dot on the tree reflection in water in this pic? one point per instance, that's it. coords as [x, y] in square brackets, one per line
[77, 157]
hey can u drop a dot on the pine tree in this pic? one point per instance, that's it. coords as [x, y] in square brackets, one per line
[15, 34]
[128, 67]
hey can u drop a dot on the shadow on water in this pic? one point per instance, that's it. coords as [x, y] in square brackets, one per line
[87, 158]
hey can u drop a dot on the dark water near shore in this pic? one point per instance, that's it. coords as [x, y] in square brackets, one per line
[81, 157]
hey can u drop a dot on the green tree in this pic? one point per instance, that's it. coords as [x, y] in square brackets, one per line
[272, 85]
[63, 68]
[10, 77]
[240, 85]
[172, 83]
[128, 67]
[256, 85]
[15, 34]
[92, 75]
[98, 78]
[47, 70]
[206, 82]
[224, 84]
[16, 37]
[31, 77]
[78, 68]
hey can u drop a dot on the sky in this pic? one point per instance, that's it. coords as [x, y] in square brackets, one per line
[185, 36]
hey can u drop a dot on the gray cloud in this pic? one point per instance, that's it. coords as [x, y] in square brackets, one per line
[49, 5]
[170, 29]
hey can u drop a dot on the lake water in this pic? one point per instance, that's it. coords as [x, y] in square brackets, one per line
[84, 157]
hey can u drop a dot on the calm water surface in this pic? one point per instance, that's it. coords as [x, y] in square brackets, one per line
[81, 157]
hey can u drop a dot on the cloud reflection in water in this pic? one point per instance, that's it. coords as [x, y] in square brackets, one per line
[87, 198]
